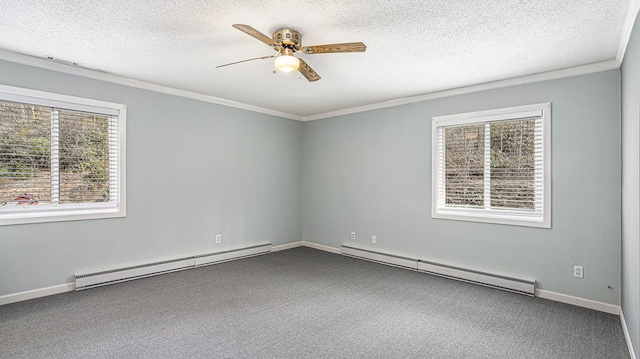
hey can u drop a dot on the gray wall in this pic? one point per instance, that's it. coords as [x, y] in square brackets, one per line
[194, 170]
[630, 187]
[371, 173]
[197, 169]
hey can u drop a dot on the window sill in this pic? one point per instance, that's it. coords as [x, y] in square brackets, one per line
[494, 217]
[29, 214]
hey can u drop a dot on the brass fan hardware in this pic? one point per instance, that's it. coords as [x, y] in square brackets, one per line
[287, 42]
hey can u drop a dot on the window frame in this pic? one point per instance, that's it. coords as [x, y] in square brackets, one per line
[492, 215]
[76, 211]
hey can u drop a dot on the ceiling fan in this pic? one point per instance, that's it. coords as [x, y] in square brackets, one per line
[286, 42]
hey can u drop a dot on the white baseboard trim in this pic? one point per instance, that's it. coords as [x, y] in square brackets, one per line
[577, 301]
[321, 247]
[563, 298]
[545, 294]
[36, 293]
[195, 262]
[627, 336]
[377, 257]
[283, 247]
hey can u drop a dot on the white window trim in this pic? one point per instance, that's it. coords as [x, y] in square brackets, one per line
[494, 215]
[70, 212]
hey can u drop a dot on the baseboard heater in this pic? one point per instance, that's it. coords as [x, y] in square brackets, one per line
[382, 258]
[511, 284]
[101, 278]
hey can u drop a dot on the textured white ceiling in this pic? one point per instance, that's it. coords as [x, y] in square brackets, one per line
[413, 47]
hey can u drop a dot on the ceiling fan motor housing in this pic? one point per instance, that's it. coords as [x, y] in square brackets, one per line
[286, 42]
[288, 37]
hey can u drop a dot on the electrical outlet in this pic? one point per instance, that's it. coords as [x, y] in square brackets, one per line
[373, 239]
[218, 238]
[578, 271]
[353, 235]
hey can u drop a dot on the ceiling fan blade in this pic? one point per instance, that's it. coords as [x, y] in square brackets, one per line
[256, 58]
[330, 48]
[256, 34]
[307, 71]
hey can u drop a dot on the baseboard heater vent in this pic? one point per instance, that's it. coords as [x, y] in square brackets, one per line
[97, 279]
[516, 285]
[511, 284]
[214, 258]
[383, 258]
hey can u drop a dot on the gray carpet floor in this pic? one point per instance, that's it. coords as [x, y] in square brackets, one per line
[303, 303]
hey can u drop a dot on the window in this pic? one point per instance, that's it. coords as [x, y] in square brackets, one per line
[61, 157]
[493, 166]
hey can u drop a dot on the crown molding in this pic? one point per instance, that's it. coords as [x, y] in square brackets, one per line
[523, 80]
[627, 27]
[107, 77]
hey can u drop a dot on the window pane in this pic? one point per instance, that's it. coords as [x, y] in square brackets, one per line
[84, 157]
[512, 164]
[25, 174]
[464, 166]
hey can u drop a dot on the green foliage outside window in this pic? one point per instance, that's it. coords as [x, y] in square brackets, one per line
[511, 170]
[26, 154]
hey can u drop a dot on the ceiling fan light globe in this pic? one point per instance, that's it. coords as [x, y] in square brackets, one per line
[287, 63]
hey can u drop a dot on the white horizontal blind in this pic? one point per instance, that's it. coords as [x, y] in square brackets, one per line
[114, 155]
[51, 156]
[25, 153]
[512, 159]
[464, 165]
[84, 157]
[438, 164]
[55, 156]
[542, 167]
[491, 165]
[62, 157]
